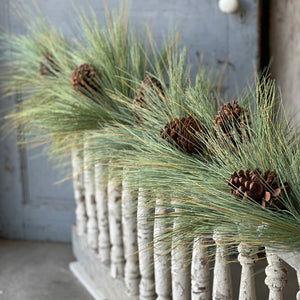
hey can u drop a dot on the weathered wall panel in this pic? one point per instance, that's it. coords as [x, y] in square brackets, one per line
[11, 210]
[285, 50]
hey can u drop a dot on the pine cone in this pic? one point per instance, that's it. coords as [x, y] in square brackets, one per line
[149, 83]
[48, 66]
[83, 77]
[183, 134]
[263, 189]
[230, 117]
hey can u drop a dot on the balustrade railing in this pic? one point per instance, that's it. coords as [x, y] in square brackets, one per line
[117, 223]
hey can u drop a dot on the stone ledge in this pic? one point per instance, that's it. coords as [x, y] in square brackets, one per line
[94, 275]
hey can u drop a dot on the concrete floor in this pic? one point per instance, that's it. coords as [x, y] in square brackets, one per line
[38, 271]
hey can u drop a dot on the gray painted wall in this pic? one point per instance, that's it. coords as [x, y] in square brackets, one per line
[32, 206]
[285, 50]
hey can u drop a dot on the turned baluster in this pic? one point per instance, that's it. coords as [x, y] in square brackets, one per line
[276, 275]
[162, 259]
[222, 286]
[89, 185]
[114, 191]
[129, 220]
[102, 213]
[200, 272]
[145, 238]
[247, 257]
[180, 266]
[77, 172]
[298, 294]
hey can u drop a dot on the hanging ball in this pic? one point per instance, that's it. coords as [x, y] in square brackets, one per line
[228, 6]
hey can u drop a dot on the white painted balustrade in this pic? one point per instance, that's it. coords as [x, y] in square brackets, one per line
[129, 220]
[90, 201]
[117, 223]
[162, 258]
[101, 179]
[114, 192]
[276, 275]
[200, 271]
[79, 195]
[145, 238]
[247, 257]
[222, 286]
[181, 271]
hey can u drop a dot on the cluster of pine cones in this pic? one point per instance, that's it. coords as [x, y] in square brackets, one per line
[48, 66]
[263, 188]
[228, 119]
[184, 134]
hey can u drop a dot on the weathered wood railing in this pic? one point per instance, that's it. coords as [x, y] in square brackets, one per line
[111, 242]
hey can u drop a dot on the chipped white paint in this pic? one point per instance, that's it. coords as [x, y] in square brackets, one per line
[200, 272]
[276, 275]
[181, 270]
[229, 6]
[78, 186]
[247, 257]
[89, 186]
[129, 220]
[102, 213]
[114, 190]
[162, 259]
[222, 286]
[298, 294]
[145, 238]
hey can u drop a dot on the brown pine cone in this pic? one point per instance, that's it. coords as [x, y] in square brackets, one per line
[48, 66]
[262, 188]
[230, 117]
[183, 134]
[271, 200]
[84, 77]
[149, 83]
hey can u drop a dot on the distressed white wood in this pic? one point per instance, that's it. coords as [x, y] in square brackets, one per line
[162, 260]
[114, 191]
[145, 238]
[276, 275]
[90, 202]
[101, 180]
[80, 273]
[247, 257]
[78, 185]
[229, 6]
[298, 294]
[222, 286]
[200, 272]
[181, 270]
[94, 274]
[129, 220]
[291, 258]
